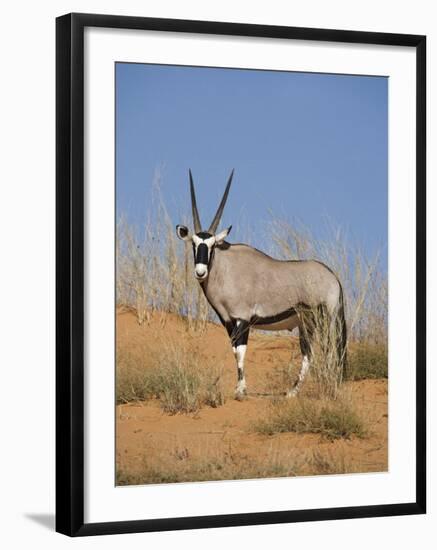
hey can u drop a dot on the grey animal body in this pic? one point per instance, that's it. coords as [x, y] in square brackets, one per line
[250, 290]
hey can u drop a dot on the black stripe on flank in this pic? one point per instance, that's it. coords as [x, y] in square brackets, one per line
[278, 317]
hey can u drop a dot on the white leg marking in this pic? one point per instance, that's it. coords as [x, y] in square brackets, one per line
[304, 369]
[303, 372]
[240, 352]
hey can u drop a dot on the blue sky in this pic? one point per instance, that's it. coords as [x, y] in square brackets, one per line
[303, 145]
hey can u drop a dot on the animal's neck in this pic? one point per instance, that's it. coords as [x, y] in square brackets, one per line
[215, 269]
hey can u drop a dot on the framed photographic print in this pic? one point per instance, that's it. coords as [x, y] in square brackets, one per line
[240, 274]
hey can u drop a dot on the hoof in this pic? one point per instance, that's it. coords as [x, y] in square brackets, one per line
[240, 393]
[240, 396]
[292, 393]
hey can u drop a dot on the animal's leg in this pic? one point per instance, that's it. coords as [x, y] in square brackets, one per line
[239, 337]
[305, 335]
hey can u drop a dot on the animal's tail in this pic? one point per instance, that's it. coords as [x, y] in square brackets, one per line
[341, 336]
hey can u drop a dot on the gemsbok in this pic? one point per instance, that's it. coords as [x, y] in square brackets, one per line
[249, 289]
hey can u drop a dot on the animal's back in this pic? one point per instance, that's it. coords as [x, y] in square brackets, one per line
[264, 286]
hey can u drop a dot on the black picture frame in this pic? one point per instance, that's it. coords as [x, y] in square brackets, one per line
[70, 273]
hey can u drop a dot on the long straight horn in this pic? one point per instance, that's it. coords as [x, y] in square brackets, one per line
[196, 219]
[214, 224]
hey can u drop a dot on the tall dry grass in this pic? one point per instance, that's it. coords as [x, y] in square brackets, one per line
[155, 270]
[364, 281]
[325, 337]
[154, 273]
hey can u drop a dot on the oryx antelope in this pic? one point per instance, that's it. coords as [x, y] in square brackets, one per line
[249, 289]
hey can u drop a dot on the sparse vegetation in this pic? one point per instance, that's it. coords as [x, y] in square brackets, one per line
[154, 273]
[328, 462]
[205, 470]
[233, 465]
[155, 281]
[183, 465]
[225, 443]
[366, 361]
[331, 419]
[174, 377]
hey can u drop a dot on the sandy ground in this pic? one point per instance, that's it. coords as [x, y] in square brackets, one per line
[150, 440]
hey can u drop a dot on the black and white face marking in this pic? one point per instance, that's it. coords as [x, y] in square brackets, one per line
[203, 244]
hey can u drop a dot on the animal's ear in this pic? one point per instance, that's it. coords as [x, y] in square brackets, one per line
[183, 233]
[220, 237]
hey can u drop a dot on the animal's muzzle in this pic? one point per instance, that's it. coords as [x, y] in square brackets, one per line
[201, 271]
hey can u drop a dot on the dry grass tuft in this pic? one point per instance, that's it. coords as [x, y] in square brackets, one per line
[175, 378]
[328, 462]
[328, 359]
[331, 419]
[366, 361]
